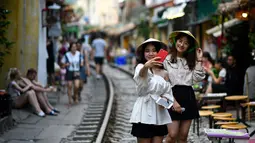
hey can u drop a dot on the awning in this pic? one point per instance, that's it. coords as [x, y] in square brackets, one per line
[174, 12]
[216, 31]
[120, 29]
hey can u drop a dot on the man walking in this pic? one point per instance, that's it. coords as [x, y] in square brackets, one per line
[98, 53]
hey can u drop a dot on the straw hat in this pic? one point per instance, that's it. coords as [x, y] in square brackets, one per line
[140, 48]
[173, 35]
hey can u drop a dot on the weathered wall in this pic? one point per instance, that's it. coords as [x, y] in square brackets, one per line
[24, 31]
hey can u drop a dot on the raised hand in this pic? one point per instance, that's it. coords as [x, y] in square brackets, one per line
[153, 62]
[199, 53]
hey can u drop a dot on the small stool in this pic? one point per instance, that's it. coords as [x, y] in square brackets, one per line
[235, 127]
[221, 114]
[211, 107]
[224, 119]
[203, 113]
[206, 113]
[225, 123]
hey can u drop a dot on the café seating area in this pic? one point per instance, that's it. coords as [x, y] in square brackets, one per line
[225, 118]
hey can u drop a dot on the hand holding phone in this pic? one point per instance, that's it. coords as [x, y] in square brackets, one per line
[162, 54]
[163, 102]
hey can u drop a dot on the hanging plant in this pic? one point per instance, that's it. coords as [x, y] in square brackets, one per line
[5, 44]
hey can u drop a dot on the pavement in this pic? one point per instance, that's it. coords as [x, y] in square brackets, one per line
[30, 128]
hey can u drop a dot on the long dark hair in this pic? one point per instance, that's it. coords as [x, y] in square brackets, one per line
[140, 59]
[209, 58]
[189, 55]
[71, 45]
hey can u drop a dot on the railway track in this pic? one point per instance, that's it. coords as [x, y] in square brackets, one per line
[119, 128]
[106, 120]
[95, 119]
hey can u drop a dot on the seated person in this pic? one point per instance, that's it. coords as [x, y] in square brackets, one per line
[42, 98]
[22, 96]
[218, 83]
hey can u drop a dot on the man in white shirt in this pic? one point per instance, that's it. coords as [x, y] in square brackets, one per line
[98, 53]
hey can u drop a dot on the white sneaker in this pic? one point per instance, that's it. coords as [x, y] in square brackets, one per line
[98, 76]
[41, 114]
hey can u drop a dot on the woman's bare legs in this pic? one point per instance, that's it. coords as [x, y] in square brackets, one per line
[157, 139]
[184, 130]
[69, 91]
[173, 130]
[47, 102]
[29, 97]
[76, 89]
[144, 140]
[80, 88]
[43, 102]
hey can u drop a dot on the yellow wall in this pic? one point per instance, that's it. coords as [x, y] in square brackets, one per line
[24, 31]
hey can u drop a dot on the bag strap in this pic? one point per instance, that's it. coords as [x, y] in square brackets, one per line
[67, 61]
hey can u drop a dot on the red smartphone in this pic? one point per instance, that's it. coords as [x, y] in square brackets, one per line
[162, 54]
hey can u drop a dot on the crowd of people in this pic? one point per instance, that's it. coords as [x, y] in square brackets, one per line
[73, 59]
[74, 63]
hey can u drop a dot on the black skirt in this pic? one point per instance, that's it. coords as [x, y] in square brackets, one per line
[141, 130]
[185, 96]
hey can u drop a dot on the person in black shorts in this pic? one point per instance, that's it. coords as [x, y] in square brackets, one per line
[72, 61]
[99, 52]
[99, 60]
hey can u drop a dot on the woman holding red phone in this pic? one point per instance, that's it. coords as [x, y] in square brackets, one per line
[150, 119]
[184, 66]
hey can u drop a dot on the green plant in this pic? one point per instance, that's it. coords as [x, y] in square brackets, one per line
[144, 29]
[227, 49]
[252, 40]
[5, 44]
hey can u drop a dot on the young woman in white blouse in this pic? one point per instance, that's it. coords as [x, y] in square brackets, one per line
[184, 66]
[72, 61]
[148, 118]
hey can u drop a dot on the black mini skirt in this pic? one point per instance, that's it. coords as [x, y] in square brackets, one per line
[185, 96]
[141, 130]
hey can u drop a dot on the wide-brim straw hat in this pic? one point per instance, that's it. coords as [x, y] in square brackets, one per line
[140, 48]
[172, 37]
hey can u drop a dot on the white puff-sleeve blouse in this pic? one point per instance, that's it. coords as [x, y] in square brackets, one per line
[145, 109]
[179, 73]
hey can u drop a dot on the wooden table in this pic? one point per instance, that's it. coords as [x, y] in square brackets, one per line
[237, 99]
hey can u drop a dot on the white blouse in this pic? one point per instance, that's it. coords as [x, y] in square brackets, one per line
[145, 109]
[179, 73]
